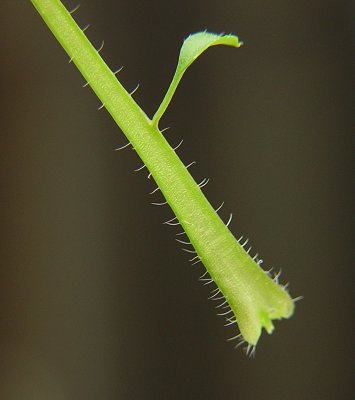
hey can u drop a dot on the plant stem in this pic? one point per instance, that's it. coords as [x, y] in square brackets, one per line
[167, 98]
[251, 294]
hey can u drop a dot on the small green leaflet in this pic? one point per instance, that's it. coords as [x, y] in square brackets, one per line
[192, 48]
[195, 44]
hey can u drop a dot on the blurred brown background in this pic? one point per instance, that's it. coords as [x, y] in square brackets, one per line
[97, 299]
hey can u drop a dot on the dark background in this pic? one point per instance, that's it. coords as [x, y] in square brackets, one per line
[97, 299]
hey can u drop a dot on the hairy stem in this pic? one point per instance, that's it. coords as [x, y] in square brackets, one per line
[253, 297]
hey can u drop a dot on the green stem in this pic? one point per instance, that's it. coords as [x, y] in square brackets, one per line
[167, 98]
[254, 298]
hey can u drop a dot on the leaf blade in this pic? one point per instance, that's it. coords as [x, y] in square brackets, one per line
[193, 46]
[197, 43]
